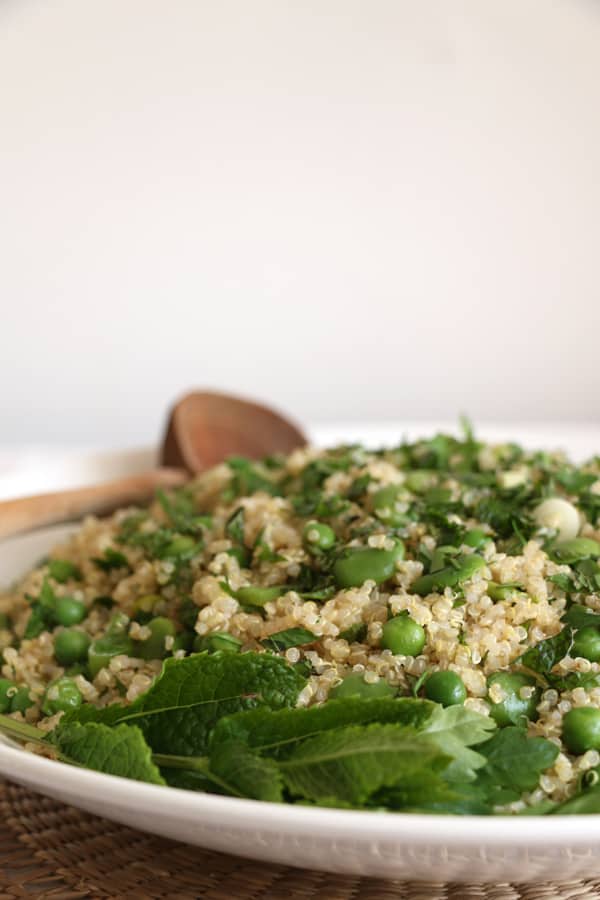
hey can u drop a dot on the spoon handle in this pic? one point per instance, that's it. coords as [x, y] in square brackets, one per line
[26, 513]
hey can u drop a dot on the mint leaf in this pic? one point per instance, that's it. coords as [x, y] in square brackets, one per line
[61, 570]
[514, 763]
[115, 751]
[246, 774]
[583, 803]
[290, 637]
[454, 730]
[177, 714]
[278, 733]
[351, 764]
[542, 657]
[429, 792]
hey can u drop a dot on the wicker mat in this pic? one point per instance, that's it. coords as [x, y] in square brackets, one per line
[55, 852]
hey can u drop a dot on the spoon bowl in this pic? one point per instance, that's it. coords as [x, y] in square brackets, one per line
[207, 427]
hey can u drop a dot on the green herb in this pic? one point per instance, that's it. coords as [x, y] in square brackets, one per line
[277, 733]
[111, 559]
[290, 637]
[42, 611]
[542, 657]
[61, 570]
[115, 751]
[514, 763]
[235, 526]
[180, 508]
[247, 479]
[351, 764]
[454, 731]
[177, 714]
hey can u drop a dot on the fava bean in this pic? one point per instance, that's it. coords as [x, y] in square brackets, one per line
[367, 564]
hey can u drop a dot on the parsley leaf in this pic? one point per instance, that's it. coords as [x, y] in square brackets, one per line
[110, 560]
[61, 570]
[514, 763]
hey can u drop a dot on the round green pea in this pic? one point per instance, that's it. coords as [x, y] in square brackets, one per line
[446, 688]
[218, 640]
[513, 708]
[354, 685]
[587, 643]
[7, 689]
[20, 700]
[61, 696]
[367, 564]
[154, 646]
[581, 729]
[318, 536]
[403, 636]
[69, 611]
[476, 538]
[71, 646]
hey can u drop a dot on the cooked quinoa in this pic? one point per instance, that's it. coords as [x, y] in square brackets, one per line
[202, 557]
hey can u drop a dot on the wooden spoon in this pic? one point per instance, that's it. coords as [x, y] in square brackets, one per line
[203, 429]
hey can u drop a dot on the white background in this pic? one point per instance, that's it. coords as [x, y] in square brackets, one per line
[358, 210]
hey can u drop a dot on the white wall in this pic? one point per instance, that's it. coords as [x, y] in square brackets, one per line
[357, 209]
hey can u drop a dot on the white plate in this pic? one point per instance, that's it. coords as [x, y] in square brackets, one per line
[387, 845]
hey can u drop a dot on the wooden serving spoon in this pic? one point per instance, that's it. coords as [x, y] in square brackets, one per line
[203, 429]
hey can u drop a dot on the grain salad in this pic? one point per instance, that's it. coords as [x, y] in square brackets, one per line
[415, 628]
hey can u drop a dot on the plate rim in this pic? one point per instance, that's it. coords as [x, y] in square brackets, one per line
[419, 828]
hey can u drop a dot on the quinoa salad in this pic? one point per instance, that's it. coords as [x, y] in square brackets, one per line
[413, 629]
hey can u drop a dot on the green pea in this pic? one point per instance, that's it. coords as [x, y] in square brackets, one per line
[218, 640]
[581, 729]
[476, 538]
[7, 689]
[587, 643]
[367, 564]
[20, 700]
[450, 576]
[102, 650]
[154, 646]
[576, 549]
[354, 685]
[318, 536]
[446, 688]
[384, 506]
[257, 596]
[61, 696]
[403, 636]
[69, 611]
[71, 646]
[420, 480]
[513, 708]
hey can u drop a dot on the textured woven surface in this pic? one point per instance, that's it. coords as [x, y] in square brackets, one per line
[55, 852]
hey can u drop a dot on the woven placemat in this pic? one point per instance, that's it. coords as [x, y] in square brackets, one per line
[49, 851]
